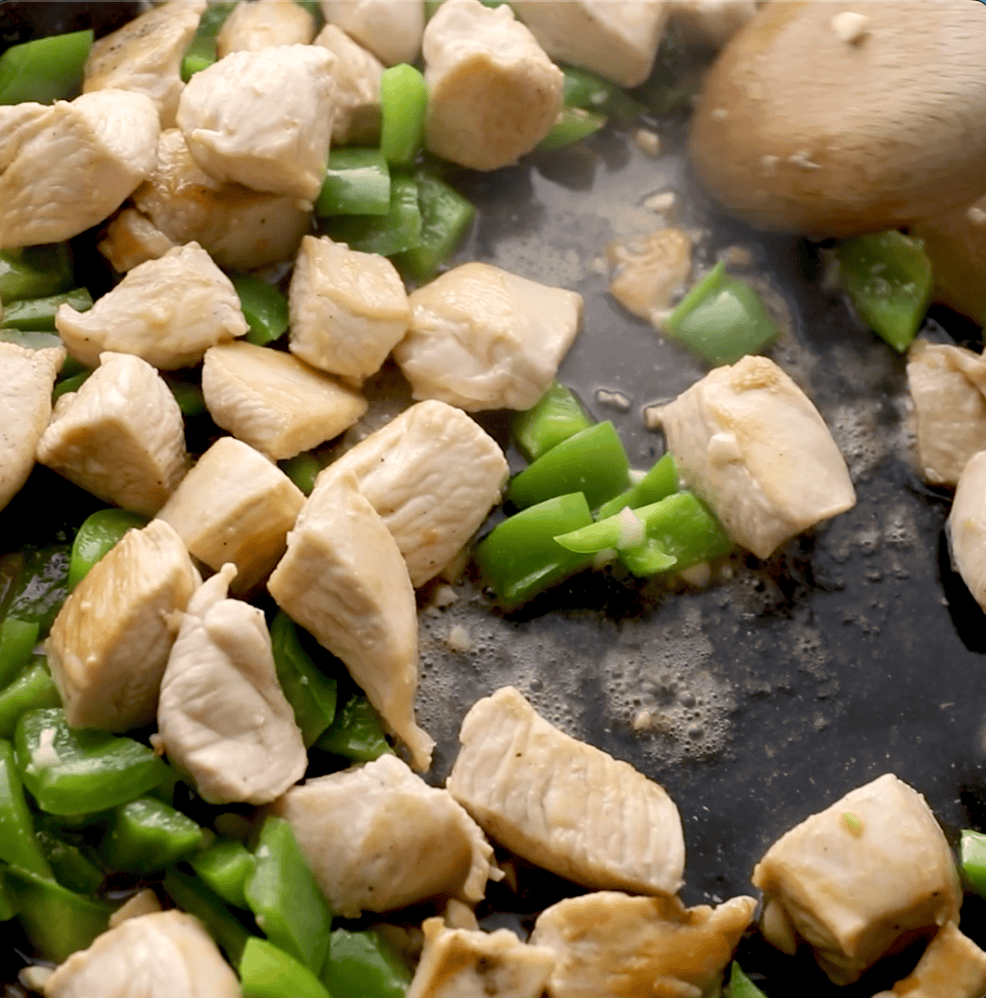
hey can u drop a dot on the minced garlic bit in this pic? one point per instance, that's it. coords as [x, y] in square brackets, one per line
[616, 400]
[698, 576]
[976, 215]
[458, 639]
[45, 755]
[849, 27]
[801, 159]
[720, 113]
[853, 822]
[769, 164]
[648, 142]
[633, 530]
[660, 203]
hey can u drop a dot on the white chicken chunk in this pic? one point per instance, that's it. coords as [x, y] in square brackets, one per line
[752, 445]
[110, 642]
[264, 24]
[168, 311]
[144, 902]
[648, 271]
[145, 56]
[379, 838]
[390, 29]
[235, 505]
[482, 338]
[66, 167]
[562, 804]
[617, 39]
[167, 954]
[26, 380]
[348, 309]
[713, 22]
[856, 877]
[344, 580]
[222, 716]
[948, 388]
[121, 436]
[273, 137]
[966, 527]
[952, 966]
[458, 963]
[131, 238]
[240, 228]
[433, 473]
[273, 401]
[609, 945]
[357, 74]
[493, 93]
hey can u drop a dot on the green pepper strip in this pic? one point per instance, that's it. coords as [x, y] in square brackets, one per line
[192, 895]
[888, 277]
[11, 571]
[17, 641]
[403, 107]
[57, 921]
[356, 733]
[264, 308]
[98, 534]
[445, 218]
[591, 461]
[72, 384]
[35, 272]
[519, 558]
[44, 70]
[146, 835]
[268, 972]
[740, 986]
[659, 482]
[31, 690]
[72, 869]
[972, 860]
[310, 692]
[188, 394]
[555, 417]
[43, 587]
[302, 469]
[357, 182]
[721, 319]
[8, 904]
[585, 90]
[18, 845]
[573, 125]
[67, 770]
[31, 339]
[285, 898]
[225, 867]
[201, 52]
[395, 232]
[365, 964]
[38, 314]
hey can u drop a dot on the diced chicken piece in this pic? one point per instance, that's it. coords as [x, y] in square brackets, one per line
[649, 271]
[68, 166]
[241, 229]
[966, 527]
[752, 445]
[357, 74]
[271, 137]
[111, 639]
[952, 966]
[164, 955]
[264, 24]
[482, 338]
[344, 580]
[144, 902]
[609, 945]
[493, 93]
[855, 878]
[26, 380]
[348, 309]
[948, 387]
[168, 311]
[121, 436]
[713, 22]
[379, 838]
[390, 29]
[235, 506]
[273, 401]
[563, 804]
[458, 963]
[222, 716]
[131, 239]
[433, 473]
[145, 56]
[617, 39]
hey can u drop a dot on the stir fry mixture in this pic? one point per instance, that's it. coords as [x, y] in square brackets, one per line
[210, 758]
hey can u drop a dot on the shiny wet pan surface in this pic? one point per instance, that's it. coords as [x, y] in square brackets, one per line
[853, 652]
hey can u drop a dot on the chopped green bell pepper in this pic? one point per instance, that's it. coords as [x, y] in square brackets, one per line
[8, 904]
[42, 587]
[146, 835]
[357, 182]
[395, 232]
[38, 314]
[573, 125]
[264, 308]
[35, 272]
[71, 384]
[557, 416]
[188, 394]
[225, 866]
[310, 692]
[585, 90]
[201, 52]
[18, 844]
[68, 769]
[972, 860]
[268, 972]
[45, 69]
[403, 107]
[17, 641]
[71, 868]
[356, 733]
[364, 965]
[98, 534]
[285, 898]
[32, 689]
[659, 482]
[193, 896]
[302, 469]
[740, 986]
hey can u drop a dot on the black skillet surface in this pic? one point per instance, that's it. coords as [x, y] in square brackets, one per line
[853, 652]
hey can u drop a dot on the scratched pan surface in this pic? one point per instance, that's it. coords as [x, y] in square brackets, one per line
[853, 652]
